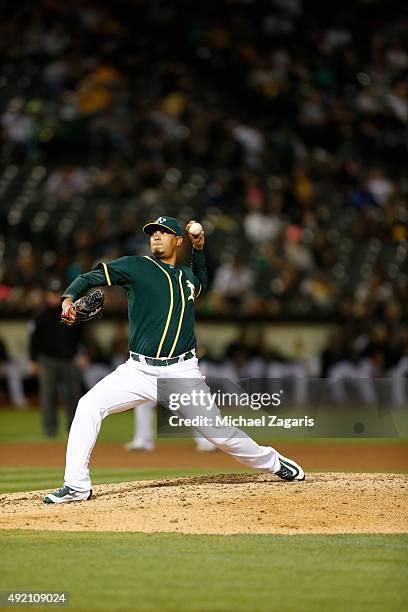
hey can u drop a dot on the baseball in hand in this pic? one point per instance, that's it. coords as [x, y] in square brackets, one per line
[195, 228]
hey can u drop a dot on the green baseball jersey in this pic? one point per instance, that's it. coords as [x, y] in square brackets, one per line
[160, 300]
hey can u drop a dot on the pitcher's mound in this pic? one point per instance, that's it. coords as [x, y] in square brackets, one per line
[229, 503]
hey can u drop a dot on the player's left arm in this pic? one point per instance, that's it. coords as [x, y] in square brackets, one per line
[198, 264]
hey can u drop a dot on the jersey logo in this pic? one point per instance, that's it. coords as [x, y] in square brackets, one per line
[161, 220]
[191, 287]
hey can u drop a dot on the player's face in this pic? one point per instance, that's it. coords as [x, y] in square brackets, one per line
[164, 244]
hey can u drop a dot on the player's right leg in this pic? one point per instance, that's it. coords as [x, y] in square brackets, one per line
[119, 391]
[143, 434]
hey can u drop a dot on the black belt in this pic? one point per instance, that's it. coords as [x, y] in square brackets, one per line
[162, 362]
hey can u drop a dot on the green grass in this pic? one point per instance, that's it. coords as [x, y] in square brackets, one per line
[32, 479]
[243, 573]
[25, 426]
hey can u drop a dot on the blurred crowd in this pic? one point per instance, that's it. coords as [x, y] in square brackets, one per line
[367, 365]
[21, 373]
[281, 126]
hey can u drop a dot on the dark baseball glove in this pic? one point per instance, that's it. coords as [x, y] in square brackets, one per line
[85, 309]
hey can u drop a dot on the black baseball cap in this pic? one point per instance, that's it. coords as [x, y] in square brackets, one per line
[169, 223]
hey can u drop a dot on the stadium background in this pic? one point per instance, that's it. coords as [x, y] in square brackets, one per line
[282, 126]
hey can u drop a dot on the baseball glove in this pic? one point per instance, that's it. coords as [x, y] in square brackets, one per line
[85, 309]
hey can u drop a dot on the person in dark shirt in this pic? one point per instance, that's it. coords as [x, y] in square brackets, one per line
[52, 350]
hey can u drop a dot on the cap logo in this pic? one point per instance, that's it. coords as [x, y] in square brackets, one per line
[161, 220]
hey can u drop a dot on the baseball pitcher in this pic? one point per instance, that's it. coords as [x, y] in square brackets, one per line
[162, 346]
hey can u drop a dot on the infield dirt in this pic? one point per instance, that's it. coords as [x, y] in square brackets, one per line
[225, 504]
[327, 456]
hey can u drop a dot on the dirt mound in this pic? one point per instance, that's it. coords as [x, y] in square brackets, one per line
[224, 504]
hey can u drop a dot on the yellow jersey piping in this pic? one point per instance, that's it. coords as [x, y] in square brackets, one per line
[166, 327]
[183, 305]
[105, 269]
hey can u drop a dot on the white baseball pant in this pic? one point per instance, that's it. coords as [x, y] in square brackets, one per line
[134, 382]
